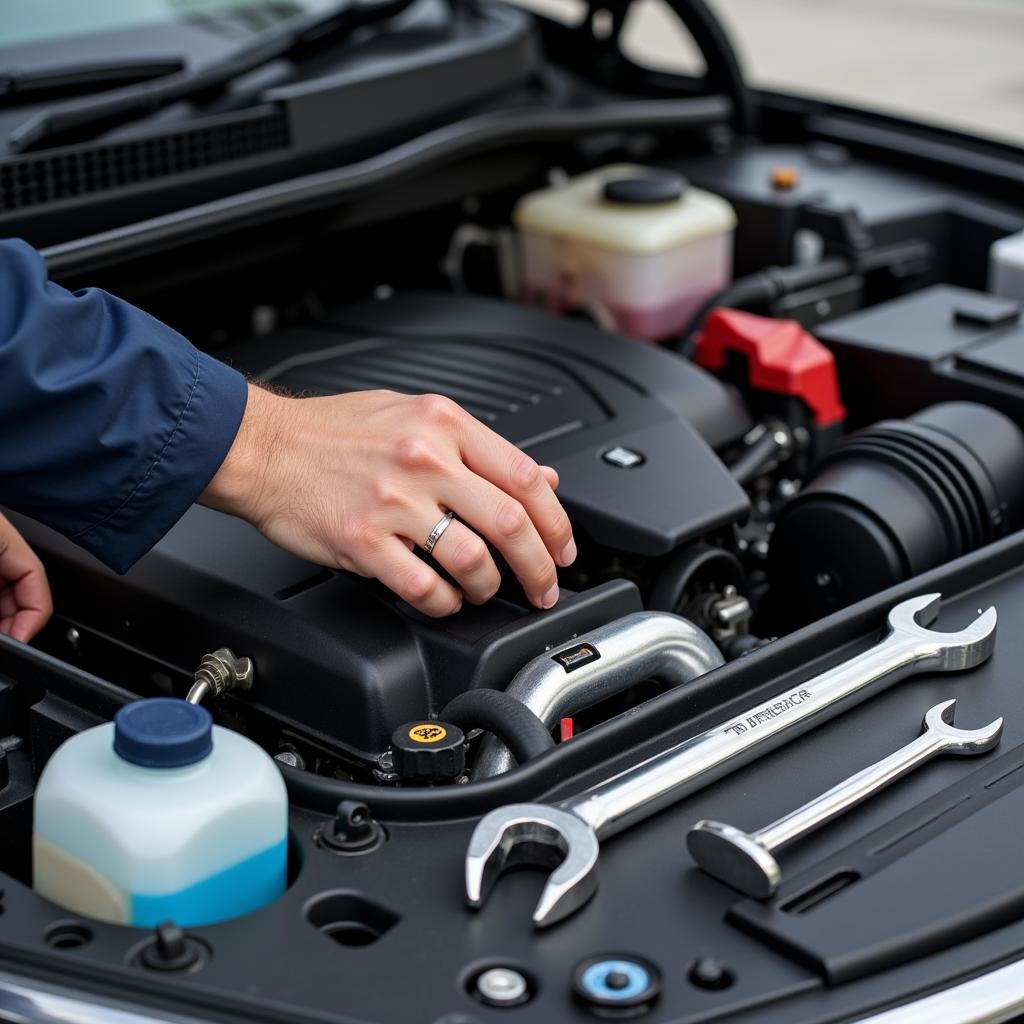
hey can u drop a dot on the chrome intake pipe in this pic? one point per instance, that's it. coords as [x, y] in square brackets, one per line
[600, 664]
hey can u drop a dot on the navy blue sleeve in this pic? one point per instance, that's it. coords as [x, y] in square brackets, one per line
[111, 423]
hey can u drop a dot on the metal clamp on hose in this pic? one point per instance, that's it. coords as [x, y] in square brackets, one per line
[600, 664]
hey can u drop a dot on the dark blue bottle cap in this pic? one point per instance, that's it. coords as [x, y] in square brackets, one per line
[162, 732]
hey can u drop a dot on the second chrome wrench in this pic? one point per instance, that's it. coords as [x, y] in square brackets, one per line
[746, 861]
[568, 834]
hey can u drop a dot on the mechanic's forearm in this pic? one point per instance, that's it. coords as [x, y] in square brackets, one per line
[112, 423]
[239, 485]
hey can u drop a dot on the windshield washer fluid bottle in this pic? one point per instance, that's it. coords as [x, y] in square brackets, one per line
[160, 815]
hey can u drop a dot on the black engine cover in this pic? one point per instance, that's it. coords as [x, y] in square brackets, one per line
[628, 426]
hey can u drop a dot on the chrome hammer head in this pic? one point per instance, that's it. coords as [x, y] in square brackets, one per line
[943, 652]
[539, 836]
[746, 860]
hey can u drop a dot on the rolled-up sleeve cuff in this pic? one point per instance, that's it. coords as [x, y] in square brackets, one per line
[179, 472]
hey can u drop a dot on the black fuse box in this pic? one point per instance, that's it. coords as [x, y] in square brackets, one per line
[939, 344]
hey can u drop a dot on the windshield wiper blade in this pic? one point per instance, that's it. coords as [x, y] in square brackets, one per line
[302, 36]
[32, 84]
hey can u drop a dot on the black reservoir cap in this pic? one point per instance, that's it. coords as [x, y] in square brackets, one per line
[429, 751]
[655, 186]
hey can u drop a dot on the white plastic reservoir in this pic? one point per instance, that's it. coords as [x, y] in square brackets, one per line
[638, 248]
[160, 816]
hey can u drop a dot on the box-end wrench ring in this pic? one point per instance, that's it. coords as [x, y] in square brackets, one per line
[567, 835]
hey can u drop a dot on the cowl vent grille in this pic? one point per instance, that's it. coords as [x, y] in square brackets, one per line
[50, 177]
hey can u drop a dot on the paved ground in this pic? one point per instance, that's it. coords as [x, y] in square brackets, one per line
[957, 62]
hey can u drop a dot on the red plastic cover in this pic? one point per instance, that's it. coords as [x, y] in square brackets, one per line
[782, 358]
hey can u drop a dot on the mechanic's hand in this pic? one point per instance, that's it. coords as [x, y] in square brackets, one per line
[357, 481]
[25, 603]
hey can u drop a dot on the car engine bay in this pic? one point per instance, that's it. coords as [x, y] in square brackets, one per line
[779, 389]
[769, 478]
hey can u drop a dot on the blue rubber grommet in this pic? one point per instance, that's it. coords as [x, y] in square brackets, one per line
[615, 984]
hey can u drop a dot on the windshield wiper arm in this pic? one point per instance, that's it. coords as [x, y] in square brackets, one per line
[30, 84]
[304, 35]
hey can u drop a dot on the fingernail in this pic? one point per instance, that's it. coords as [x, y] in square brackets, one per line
[549, 599]
[568, 555]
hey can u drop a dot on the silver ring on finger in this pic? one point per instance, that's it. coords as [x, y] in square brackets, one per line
[438, 531]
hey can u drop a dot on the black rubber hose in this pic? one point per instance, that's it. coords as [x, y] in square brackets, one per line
[764, 287]
[760, 289]
[724, 72]
[508, 719]
[744, 293]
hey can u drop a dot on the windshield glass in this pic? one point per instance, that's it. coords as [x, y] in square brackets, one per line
[34, 21]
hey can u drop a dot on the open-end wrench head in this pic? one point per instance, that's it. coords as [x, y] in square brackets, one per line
[535, 835]
[734, 857]
[939, 721]
[948, 652]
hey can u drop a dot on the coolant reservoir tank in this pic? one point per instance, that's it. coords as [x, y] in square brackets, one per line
[160, 816]
[637, 247]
